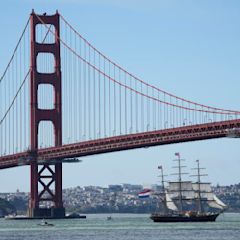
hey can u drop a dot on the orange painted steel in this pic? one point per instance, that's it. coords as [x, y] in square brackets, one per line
[124, 142]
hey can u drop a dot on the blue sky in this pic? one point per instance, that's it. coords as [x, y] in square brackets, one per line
[188, 48]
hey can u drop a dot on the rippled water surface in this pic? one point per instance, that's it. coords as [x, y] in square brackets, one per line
[122, 226]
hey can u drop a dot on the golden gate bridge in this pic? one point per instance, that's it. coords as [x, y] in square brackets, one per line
[61, 98]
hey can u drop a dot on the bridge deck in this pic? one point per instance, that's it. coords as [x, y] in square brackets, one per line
[124, 142]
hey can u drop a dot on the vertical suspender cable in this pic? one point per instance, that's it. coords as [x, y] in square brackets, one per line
[114, 99]
[104, 97]
[125, 79]
[99, 96]
[136, 105]
[109, 99]
[120, 103]
[131, 107]
[89, 94]
[94, 96]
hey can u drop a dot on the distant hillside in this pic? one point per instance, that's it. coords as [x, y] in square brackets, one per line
[6, 207]
[115, 198]
[230, 195]
[20, 204]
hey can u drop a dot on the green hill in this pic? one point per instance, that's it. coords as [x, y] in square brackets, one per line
[6, 207]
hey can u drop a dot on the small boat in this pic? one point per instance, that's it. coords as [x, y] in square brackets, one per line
[109, 218]
[187, 201]
[44, 223]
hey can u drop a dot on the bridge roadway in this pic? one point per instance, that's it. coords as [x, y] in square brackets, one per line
[125, 142]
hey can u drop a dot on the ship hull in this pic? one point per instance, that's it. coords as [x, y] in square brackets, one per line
[183, 218]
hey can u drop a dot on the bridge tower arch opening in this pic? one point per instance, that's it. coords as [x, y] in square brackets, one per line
[38, 170]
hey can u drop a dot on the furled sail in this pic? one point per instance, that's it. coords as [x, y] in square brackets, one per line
[170, 203]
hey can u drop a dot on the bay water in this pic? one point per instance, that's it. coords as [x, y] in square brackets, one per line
[121, 227]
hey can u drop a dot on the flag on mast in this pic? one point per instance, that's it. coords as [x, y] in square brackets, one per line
[159, 167]
[177, 154]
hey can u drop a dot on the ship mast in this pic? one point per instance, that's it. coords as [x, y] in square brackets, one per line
[180, 182]
[180, 173]
[163, 188]
[200, 206]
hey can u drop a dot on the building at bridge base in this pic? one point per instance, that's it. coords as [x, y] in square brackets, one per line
[45, 176]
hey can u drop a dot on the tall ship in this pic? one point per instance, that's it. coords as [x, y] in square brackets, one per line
[187, 201]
